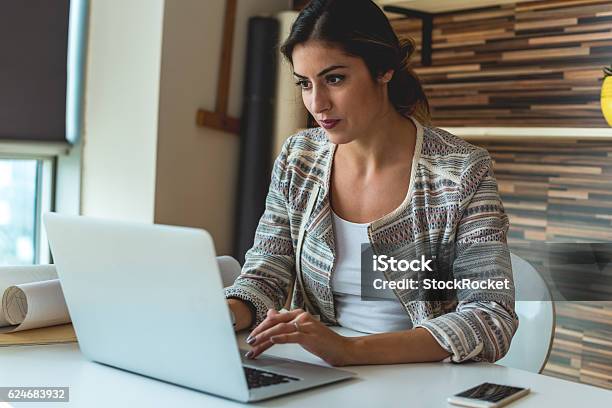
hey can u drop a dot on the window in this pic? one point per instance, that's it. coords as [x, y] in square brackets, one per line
[25, 193]
[40, 121]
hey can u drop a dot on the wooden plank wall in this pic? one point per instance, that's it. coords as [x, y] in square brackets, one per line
[561, 191]
[528, 64]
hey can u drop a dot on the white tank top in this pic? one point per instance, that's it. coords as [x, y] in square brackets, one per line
[378, 316]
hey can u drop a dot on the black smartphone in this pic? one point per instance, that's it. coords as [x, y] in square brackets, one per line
[487, 395]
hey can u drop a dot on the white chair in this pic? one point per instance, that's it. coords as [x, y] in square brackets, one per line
[229, 268]
[532, 341]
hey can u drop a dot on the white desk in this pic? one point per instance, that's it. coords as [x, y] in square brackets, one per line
[407, 385]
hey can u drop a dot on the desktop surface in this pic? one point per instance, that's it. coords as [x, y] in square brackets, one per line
[420, 385]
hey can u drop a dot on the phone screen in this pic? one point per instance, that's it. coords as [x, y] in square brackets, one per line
[490, 392]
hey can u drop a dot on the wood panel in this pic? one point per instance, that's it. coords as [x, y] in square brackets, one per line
[528, 64]
[561, 191]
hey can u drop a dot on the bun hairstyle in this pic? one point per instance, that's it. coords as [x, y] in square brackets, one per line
[362, 30]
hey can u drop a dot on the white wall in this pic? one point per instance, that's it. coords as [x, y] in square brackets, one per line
[197, 167]
[151, 64]
[121, 106]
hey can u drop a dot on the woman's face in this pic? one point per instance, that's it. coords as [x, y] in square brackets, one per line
[338, 91]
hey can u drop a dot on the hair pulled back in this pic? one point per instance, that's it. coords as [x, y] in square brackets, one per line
[361, 29]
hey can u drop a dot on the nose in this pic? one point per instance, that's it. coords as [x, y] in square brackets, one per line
[320, 101]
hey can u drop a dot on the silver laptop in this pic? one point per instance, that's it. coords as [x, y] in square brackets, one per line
[149, 299]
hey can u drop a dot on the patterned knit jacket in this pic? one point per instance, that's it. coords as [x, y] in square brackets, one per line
[452, 200]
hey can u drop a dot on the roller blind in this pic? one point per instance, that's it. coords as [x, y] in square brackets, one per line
[33, 55]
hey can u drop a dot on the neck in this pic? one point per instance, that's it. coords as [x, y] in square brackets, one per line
[386, 144]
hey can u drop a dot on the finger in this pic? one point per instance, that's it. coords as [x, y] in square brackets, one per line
[267, 322]
[307, 326]
[304, 317]
[260, 348]
[299, 337]
[279, 328]
[272, 319]
[256, 351]
[296, 337]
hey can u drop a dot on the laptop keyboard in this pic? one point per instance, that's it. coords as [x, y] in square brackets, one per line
[259, 378]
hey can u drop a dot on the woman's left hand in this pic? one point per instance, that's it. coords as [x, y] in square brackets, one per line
[298, 326]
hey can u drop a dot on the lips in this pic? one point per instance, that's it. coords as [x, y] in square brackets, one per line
[329, 123]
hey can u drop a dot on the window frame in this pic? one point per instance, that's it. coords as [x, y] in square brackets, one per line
[59, 176]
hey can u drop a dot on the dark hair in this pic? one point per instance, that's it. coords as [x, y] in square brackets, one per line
[361, 29]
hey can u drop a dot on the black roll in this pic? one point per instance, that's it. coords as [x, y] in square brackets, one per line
[256, 131]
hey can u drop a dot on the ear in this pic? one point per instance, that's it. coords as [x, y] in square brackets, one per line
[386, 77]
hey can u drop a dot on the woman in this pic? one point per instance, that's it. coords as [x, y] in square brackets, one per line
[371, 173]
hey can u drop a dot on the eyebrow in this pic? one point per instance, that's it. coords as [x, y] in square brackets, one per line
[325, 71]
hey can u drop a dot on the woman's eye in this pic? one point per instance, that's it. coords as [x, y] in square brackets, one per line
[303, 84]
[335, 79]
